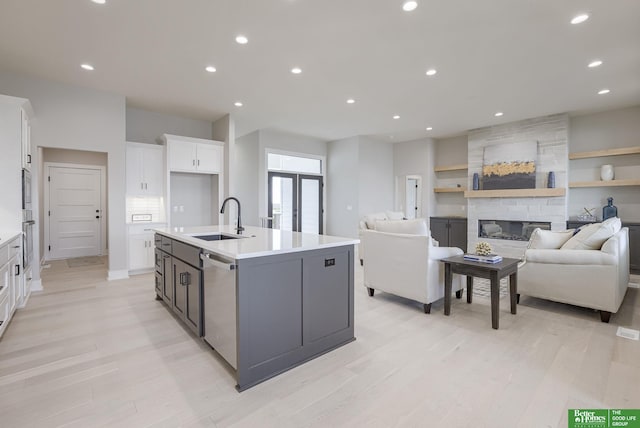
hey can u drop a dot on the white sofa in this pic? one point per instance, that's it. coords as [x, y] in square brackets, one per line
[587, 273]
[406, 264]
[368, 222]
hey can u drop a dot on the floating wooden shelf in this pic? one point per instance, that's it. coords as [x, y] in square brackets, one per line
[449, 189]
[609, 152]
[451, 168]
[515, 193]
[599, 183]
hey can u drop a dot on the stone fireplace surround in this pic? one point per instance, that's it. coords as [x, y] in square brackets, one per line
[551, 133]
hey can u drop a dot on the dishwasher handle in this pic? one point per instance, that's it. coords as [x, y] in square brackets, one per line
[206, 257]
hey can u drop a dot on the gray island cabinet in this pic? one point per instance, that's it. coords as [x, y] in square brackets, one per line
[266, 302]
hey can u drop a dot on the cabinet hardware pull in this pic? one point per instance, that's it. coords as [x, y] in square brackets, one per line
[17, 270]
[28, 158]
[194, 162]
[198, 162]
[141, 186]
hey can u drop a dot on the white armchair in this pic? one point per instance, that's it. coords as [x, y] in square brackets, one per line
[407, 265]
[592, 278]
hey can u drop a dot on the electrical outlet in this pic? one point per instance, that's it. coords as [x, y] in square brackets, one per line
[329, 262]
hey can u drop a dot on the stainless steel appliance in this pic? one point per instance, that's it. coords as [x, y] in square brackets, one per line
[27, 237]
[220, 328]
[26, 190]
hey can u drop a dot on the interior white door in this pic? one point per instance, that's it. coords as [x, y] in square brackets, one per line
[75, 214]
[412, 197]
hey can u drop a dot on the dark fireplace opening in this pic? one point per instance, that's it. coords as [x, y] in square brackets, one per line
[509, 230]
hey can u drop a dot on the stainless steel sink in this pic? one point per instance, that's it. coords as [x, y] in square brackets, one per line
[217, 237]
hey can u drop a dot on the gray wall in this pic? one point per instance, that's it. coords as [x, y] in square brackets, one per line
[145, 126]
[245, 166]
[415, 158]
[375, 179]
[72, 117]
[605, 130]
[342, 187]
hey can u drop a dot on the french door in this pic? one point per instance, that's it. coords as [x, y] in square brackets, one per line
[295, 202]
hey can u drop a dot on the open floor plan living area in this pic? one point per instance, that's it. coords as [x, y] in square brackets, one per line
[294, 213]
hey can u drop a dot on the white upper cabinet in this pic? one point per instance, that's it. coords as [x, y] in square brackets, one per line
[145, 166]
[194, 155]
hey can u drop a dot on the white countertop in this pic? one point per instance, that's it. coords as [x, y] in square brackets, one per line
[257, 241]
[6, 236]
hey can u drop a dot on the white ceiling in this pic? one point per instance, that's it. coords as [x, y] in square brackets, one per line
[522, 57]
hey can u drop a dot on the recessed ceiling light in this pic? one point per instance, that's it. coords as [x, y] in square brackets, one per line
[603, 91]
[237, 104]
[429, 128]
[210, 69]
[396, 117]
[596, 63]
[87, 67]
[431, 72]
[580, 18]
[351, 101]
[242, 39]
[296, 70]
[498, 114]
[409, 5]
[99, 1]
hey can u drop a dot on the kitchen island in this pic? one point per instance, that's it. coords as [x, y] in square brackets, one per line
[266, 301]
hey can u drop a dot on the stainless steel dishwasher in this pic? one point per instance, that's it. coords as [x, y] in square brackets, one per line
[220, 329]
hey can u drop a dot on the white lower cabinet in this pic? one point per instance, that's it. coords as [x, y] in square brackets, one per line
[11, 279]
[141, 247]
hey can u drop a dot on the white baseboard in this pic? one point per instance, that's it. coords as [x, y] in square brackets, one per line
[634, 285]
[118, 274]
[36, 285]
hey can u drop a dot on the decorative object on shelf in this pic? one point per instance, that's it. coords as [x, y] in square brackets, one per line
[476, 181]
[551, 180]
[483, 248]
[588, 215]
[609, 210]
[606, 172]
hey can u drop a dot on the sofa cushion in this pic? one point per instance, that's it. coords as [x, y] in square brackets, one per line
[408, 227]
[395, 215]
[370, 219]
[592, 236]
[549, 240]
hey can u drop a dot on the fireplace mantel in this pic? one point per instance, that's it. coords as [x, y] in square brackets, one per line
[516, 193]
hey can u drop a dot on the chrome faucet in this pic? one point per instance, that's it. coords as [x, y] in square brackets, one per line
[239, 227]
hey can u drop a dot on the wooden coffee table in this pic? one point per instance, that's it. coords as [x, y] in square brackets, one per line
[491, 271]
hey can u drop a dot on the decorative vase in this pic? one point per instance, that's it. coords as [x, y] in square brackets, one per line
[609, 210]
[476, 181]
[551, 181]
[606, 172]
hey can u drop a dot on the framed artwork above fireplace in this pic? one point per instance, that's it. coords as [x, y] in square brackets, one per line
[510, 166]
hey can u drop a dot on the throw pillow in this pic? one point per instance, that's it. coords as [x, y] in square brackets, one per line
[592, 236]
[408, 227]
[395, 215]
[370, 220]
[547, 240]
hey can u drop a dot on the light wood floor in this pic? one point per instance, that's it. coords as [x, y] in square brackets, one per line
[89, 353]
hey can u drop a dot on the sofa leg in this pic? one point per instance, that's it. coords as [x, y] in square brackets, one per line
[518, 298]
[427, 308]
[605, 316]
[459, 294]
[370, 290]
